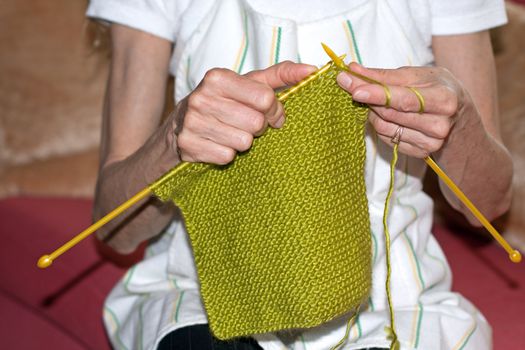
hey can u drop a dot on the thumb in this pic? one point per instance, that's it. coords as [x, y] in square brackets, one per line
[286, 73]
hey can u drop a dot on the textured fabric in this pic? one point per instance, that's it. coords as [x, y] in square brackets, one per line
[157, 17]
[281, 236]
[419, 19]
[164, 290]
[466, 16]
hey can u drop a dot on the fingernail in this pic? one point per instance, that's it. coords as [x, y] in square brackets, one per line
[344, 80]
[361, 95]
[280, 122]
[310, 69]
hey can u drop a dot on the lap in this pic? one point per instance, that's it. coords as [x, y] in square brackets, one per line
[199, 337]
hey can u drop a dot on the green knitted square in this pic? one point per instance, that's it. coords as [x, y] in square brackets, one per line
[281, 236]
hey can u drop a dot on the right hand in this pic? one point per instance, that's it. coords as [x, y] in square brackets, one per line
[227, 110]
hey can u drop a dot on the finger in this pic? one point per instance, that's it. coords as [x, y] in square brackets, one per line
[431, 125]
[239, 116]
[221, 83]
[236, 90]
[410, 136]
[198, 150]
[262, 99]
[437, 99]
[406, 148]
[286, 73]
[275, 116]
[220, 133]
[399, 76]
[282, 74]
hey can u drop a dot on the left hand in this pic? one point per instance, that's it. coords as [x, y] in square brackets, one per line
[422, 133]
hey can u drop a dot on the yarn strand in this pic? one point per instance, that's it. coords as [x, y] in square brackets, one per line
[391, 330]
[349, 324]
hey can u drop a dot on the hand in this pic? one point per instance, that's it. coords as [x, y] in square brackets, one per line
[422, 133]
[226, 111]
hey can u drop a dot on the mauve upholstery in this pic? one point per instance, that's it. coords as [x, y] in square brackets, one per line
[61, 307]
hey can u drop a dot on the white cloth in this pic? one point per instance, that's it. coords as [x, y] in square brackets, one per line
[161, 293]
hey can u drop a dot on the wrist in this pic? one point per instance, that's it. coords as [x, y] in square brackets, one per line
[163, 155]
[467, 130]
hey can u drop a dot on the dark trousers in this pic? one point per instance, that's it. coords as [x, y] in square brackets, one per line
[198, 337]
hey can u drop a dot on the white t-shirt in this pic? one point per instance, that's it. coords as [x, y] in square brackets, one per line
[161, 293]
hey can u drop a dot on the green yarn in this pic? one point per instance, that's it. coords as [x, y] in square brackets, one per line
[391, 330]
[281, 236]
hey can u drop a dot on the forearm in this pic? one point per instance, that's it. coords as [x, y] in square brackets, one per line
[135, 148]
[473, 154]
[120, 180]
[479, 165]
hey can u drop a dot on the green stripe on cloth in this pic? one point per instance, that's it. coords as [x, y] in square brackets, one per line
[189, 85]
[412, 250]
[117, 324]
[416, 260]
[419, 318]
[179, 302]
[277, 46]
[354, 41]
[140, 332]
[371, 304]
[374, 242]
[359, 330]
[468, 337]
[246, 43]
[439, 261]
[127, 279]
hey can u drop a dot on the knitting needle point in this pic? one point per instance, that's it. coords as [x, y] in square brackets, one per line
[336, 59]
[514, 255]
[46, 260]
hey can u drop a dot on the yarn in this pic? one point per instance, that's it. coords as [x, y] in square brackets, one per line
[281, 236]
[391, 330]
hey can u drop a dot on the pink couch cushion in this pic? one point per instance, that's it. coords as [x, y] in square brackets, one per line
[484, 274]
[60, 308]
[57, 308]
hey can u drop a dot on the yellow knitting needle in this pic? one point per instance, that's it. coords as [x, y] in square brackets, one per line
[514, 255]
[47, 260]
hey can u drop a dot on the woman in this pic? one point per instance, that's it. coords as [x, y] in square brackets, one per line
[229, 57]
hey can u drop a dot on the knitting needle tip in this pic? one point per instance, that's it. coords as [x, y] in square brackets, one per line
[44, 261]
[338, 61]
[515, 256]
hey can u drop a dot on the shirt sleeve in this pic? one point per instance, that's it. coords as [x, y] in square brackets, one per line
[157, 17]
[466, 16]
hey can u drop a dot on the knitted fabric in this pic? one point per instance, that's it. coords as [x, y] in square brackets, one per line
[281, 236]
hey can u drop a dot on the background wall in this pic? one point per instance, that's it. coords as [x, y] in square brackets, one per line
[52, 76]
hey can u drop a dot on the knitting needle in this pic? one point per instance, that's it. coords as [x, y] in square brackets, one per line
[46, 260]
[514, 255]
